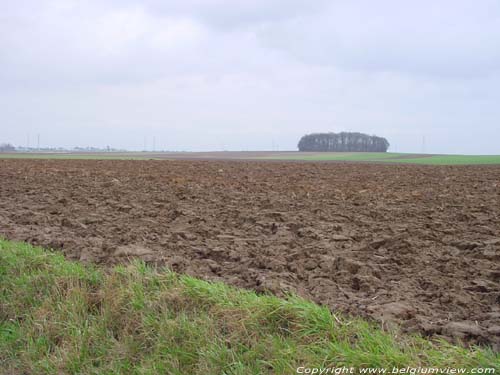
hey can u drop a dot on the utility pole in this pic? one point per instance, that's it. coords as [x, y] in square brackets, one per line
[38, 142]
[28, 141]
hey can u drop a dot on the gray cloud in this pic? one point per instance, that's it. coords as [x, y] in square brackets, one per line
[233, 15]
[440, 38]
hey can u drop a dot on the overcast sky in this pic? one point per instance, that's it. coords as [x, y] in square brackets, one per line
[250, 74]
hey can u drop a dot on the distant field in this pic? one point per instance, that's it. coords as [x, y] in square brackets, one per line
[65, 156]
[453, 159]
[337, 156]
[391, 157]
[372, 157]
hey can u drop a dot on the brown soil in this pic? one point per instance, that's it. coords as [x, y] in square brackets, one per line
[414, 245]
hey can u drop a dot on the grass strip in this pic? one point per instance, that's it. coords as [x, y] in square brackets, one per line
[63, 317]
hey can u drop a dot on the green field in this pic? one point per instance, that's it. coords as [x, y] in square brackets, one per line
[70, 156]
[390, 157]
[63, 317]
[454, 160]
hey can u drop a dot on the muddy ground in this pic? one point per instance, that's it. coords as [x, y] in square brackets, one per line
[417, 246]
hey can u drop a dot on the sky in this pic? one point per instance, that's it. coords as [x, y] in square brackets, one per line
[197, 75]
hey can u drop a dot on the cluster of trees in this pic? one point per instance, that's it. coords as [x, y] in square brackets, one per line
[343, 142]
[6, 147]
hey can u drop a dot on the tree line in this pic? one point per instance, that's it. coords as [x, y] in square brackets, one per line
[343, 142]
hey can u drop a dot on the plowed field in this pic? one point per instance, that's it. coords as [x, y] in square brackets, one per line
[416, 246]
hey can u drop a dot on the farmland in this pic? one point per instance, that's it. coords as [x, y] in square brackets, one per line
[390, 157]
[365, 157]
[415, 247]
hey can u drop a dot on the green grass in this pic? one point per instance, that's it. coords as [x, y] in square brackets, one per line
[453, 160]
[63, 317]
[391, 157]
